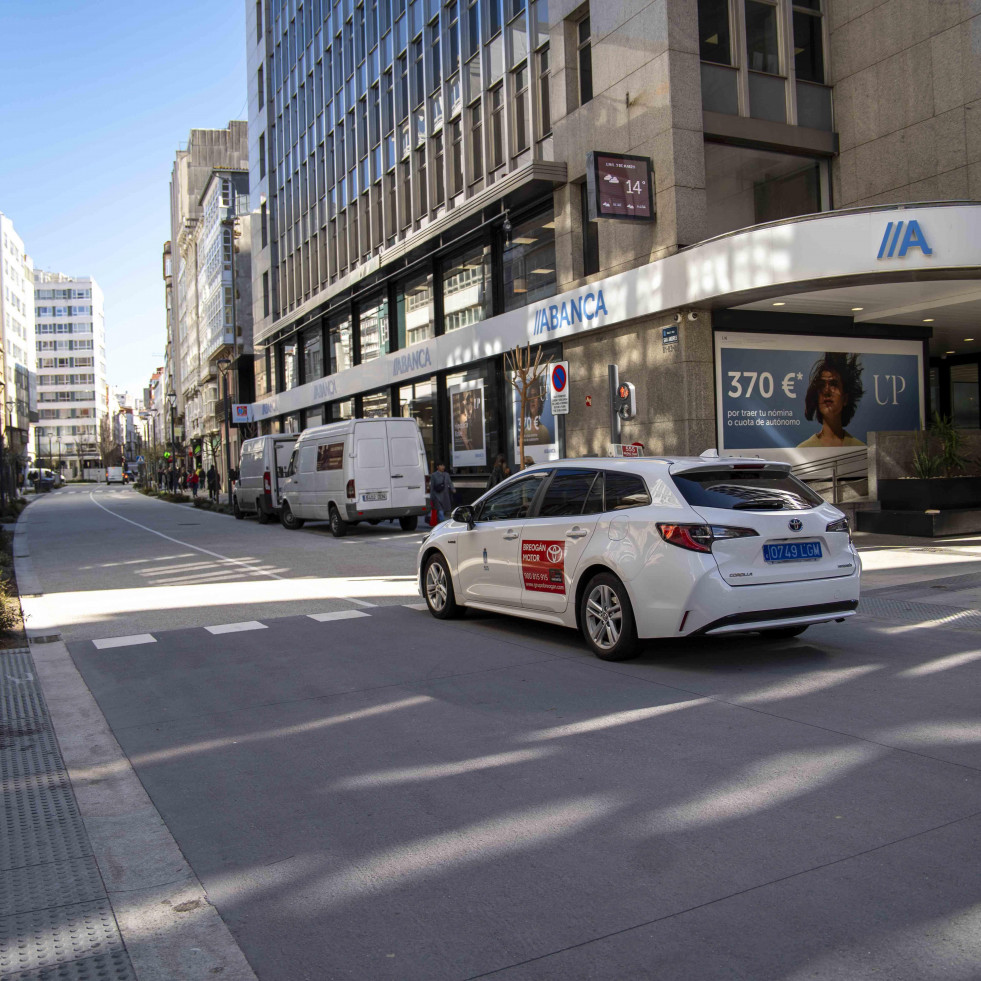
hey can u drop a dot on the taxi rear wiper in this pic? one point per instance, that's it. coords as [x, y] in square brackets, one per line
[764, 504]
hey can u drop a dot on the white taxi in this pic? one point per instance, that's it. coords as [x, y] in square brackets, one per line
[630, 549]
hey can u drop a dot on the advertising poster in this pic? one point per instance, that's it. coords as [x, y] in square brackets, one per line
[541, 435]
[467, 410]
[543, 566]
[799, 398]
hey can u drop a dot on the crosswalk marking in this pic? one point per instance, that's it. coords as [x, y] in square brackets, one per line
[415, 606]
[338, 615]
[232, 628]
[124, 641]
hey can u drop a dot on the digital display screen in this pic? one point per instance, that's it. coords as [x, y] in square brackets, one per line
[620, 186]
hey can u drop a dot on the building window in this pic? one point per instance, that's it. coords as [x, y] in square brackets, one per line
[313, 359]
[259, 87]
[416, 319]
[476, 142]
[262, 155]
[467, 288]
[439, 197]
[713, 31]
[808, 46]
[497, 126]
[520, 81]
[264, 224]
[373, 329]
[762, 42]
[456, 157]
[590, 236]
[422, 197]
[258, 21]
[584, 58]
[529, 262]
[341, 355]
[265, 294]
[544, 102]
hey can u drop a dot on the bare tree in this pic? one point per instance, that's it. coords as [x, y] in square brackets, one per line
[524, 375]
[213, 441]
[108, 447]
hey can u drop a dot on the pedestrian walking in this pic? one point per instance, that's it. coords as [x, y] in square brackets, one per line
[192, 481]
[213, 483]
[498, 473]
[441, 492]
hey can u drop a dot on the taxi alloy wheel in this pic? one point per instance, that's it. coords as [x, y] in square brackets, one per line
[439, 589]
[607, 619]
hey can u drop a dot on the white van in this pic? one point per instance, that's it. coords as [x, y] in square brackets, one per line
[359, 470]
[115, 475]
[261, 472]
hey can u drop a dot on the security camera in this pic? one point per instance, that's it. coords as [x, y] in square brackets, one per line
[677, 318]
[692, 315]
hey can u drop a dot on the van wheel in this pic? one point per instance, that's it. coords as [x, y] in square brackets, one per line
[264, 517]
[288, 519]
[438, 588]
[236, 510]
[606, 619]
[338, 526]
[409, 524]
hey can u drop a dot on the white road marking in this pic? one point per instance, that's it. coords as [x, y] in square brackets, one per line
[130, 641]
[234, 628]
[416, 606]
[338, 615]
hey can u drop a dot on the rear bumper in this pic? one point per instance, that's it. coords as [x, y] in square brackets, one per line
[765, 619]
[353, 513]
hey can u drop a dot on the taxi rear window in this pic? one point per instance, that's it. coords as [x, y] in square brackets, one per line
[746, 490]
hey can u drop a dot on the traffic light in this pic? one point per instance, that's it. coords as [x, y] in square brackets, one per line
[625, 401]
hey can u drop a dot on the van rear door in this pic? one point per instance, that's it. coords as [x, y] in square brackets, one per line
[371, 472]
[282, 451]
[408, 458]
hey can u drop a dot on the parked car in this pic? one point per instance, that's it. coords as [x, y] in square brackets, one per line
[633, 549]
[360, 470]
[47, 479]
[261, 471]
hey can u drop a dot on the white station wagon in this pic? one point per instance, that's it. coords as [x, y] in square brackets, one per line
[630, 549]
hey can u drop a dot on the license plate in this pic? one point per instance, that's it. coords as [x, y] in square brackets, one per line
[792, 551]
[375, 496]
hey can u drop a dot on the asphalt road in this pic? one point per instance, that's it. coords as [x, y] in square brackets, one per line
[374, 794]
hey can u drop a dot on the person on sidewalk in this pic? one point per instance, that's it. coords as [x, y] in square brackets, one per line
[213, 483]
[441, 491]
[192, 482]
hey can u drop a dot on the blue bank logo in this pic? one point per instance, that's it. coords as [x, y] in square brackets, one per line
[907, 235]
[580, 309]
[409, 364]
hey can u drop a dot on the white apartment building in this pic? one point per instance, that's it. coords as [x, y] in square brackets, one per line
[71, 370]
[17, 366]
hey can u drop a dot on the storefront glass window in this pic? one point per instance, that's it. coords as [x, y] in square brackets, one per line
[415, 314]
[313, 417]
[416, 402]
[375, 405]
[291, 377]
[291, 423]
[339, 411]
[373, 326]
[313, 359]
[340, 345]
[529, 262]
[467, 288]
[964, 395]
[472, 423]
[543, 432]
[746, 187]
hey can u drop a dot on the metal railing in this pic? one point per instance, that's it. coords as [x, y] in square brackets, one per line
[855, 463]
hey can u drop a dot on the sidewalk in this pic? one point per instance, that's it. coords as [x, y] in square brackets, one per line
[93, 885]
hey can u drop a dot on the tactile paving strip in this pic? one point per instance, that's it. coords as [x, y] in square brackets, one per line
[56, 923]
[951, 617]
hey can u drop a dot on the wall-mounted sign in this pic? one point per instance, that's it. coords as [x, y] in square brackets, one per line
[241, 412]
[558, 388]
[669, 335]
[619, 185]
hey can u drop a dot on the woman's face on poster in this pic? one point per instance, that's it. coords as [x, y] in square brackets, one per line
[831, 395]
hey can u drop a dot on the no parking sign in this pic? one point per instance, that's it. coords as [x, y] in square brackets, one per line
[558, 387]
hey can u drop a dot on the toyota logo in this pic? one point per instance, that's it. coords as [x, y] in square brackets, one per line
[795, 524]
[554, 553]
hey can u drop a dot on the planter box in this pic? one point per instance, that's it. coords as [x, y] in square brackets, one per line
[917, 524]
[939, 493]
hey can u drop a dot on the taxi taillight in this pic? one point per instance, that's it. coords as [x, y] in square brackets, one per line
[700, 538]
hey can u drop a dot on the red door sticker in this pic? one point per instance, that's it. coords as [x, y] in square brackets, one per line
[543, 566]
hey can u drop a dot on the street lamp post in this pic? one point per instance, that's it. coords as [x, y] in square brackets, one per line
[172, 399]
[223, 366]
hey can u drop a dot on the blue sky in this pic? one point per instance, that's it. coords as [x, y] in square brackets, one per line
[97, 98]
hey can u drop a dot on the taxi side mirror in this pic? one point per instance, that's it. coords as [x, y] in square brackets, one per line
[464, 515]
